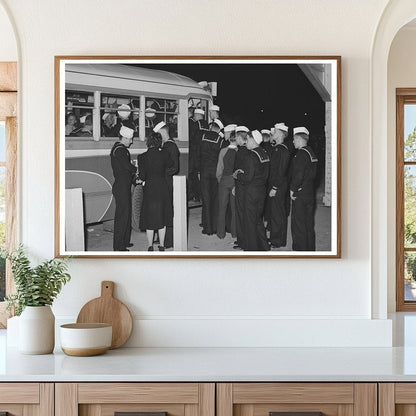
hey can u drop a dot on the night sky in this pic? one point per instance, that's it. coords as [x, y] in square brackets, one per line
[259, 95]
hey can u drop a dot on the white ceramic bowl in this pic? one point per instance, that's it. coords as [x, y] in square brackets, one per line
[83, 340]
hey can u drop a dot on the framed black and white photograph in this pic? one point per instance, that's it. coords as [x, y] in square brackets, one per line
[198, 156]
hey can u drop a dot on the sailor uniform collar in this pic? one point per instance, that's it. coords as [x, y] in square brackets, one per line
[214, 139]
[312, 157]
[283, 145]
[261, 154]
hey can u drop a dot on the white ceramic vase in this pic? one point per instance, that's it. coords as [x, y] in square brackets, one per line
[37, 330]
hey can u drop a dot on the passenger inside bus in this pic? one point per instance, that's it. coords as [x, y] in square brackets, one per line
[108, 126]
[86, 129]
[71, 123]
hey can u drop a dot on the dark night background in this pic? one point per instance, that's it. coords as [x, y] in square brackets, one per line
[259, 95]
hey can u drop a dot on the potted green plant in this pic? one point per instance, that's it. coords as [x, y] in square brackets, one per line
[36, 289]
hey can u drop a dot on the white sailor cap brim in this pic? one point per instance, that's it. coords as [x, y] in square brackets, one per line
[281, 126]
[230, 127]
[150, 112]
[300, 130]
[241, 128]
[199, 111]
[215, 108]
[159, 126]
[265, 131]
[258, 138]
[126, 132]
[218, 122]
[82, 119]
[123, 110]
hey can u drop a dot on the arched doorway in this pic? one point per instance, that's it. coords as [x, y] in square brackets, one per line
[397, 14]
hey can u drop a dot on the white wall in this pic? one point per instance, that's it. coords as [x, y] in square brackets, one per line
[8, 48]
[212, 302]
[401, 74]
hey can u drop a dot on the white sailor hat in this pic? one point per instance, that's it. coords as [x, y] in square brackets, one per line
[265, 131]
[82, 119]
[123, 110]
[215, 108]
[298, 130]
[126, 132]
[218, 122]
[221, 134]
[105, 115]
[159, 126]
[199, 111]
[230, 127]
[150, 112]
[281, 126]
[241, 128]
[258, 138]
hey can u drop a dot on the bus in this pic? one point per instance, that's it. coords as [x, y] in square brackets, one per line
[94, 93]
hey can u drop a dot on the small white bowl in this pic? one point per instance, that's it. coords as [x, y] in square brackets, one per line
[83, 340]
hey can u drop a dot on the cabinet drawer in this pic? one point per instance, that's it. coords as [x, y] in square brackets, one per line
[21, 399]
[268, 399]
[107, 399]
[397, 399]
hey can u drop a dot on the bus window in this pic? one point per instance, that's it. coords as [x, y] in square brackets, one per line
[161, 109]
[78, 113]
[111, 119]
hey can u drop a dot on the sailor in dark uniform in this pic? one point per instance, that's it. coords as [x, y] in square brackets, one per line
[254, 176]
[210, 149]
[171, 149]
[197, 127]
[278, 186]
[266, 144]
[214, 113]
[123, 117]
[150, 116]
[302, 192]
[124, 175]
[239, 191]
[229, 130]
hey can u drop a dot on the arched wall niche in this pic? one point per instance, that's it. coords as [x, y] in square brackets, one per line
[396, 15]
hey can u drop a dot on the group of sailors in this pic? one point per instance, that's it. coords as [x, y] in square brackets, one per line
[249, 182]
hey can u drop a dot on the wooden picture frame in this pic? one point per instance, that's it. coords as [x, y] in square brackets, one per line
[255, 91]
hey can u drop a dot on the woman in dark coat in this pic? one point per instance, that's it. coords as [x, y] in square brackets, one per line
[156, 209]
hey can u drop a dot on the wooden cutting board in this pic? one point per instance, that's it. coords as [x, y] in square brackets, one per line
[107, 309]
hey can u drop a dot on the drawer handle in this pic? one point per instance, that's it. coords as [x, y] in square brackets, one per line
[139, 414]
[296, 414]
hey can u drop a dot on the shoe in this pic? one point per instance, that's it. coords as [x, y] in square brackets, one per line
[150, 248]
[129, 245]
[124, 249]
[161, 248]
